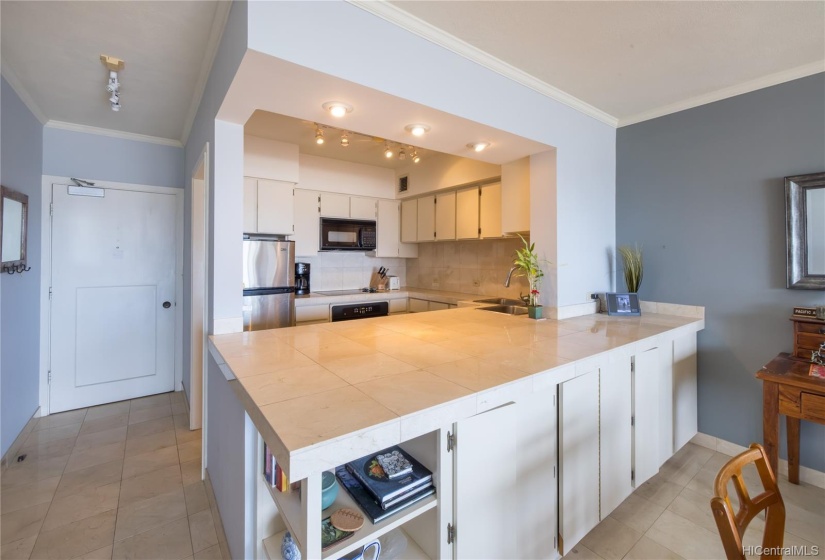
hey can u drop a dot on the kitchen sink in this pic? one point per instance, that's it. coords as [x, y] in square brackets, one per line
[506, 309]
[501, 301]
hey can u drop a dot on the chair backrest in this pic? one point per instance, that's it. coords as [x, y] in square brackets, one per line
[732, 526]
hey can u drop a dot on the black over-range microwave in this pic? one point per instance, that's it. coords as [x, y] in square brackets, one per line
[347, 235]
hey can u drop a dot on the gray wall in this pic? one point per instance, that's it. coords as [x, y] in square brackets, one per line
[702, 191]
[68, 153]
[21, 139]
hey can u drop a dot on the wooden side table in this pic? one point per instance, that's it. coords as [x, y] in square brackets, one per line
[788, 389]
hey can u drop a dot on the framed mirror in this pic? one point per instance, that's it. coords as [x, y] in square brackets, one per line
[14, 209]
[805, 215]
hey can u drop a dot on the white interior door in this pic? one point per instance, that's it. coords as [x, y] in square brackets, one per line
[113, 296]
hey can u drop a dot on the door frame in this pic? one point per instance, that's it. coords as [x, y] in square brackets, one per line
[46, 274]
[199, 260]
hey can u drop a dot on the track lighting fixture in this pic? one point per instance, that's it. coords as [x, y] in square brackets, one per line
[344, 140]
[337, 109]
[319, 135]
[415, 157]
[113, 85]
[417, 129]
[391, 149]
[479, 146]
[388, 153]
[401, 154]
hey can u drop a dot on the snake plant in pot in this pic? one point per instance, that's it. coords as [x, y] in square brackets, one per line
[528, 264]
[633, 266]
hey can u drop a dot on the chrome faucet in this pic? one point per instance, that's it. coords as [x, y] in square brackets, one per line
[509, 274]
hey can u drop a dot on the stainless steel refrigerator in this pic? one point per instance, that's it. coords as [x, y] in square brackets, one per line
[268, 283]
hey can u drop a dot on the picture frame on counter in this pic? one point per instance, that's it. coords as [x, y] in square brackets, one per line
[623, 304]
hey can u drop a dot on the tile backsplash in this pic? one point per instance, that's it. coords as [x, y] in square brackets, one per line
[471, 267]
[343, 270]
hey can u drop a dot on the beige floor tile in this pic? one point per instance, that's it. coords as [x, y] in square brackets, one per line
[27, 495]
[189, 451]
[170, 541]
[611, 539]
[151, 401]
[150, 427]
[104, 410]
[151, 442]
[106, 437]
[202, 529]
[22, 524]
[148, 514]
[637, 513]
[18, 550]
[150, 461]
[685, 538]
[93, 501]
[696, 508]
[181, 421]
[103, 553]
[150, 485]
[180, 408]
[177, 397]
[684, 465]
[191, 472]
[48, 449]
[803, 551]
[805, 524]
[52, 434]
[95, 456]
[61, 419]
[196, 499]
[105, 423]
[144, 414]
[803, 495]
[659, 491]
[581, 552]
[87, 479]
[211, 553]
[646, 549]
[32, 470]
[185, 435]
[76, 538]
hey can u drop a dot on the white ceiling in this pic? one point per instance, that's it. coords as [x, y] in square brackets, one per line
[619, 61]
[52, 49]
[630, 59]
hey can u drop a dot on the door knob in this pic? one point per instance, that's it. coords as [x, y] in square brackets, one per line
[167, 305]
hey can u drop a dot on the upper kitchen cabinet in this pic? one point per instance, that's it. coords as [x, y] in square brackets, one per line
[478, 212]
[334, 205]
[466, 217]
[445, 216]
[267, 207]
[389, 242]
[489, 219]
[425, 219]
[270, 159]
[363, 208]
[409, 221]
[307, 222]
[515, 196]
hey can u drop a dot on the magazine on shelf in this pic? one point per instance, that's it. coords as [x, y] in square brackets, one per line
[369, 471]
[367, 502]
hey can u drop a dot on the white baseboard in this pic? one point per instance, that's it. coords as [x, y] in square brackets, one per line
[11, 454]
[807, 475]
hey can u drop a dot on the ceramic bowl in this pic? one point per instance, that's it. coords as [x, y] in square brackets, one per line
[329, 489]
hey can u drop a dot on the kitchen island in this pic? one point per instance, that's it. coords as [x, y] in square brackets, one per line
[467, 392]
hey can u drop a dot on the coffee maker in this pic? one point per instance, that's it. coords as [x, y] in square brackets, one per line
[301, 279]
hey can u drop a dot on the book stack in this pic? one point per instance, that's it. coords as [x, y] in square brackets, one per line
[386, 483]
[273, 473]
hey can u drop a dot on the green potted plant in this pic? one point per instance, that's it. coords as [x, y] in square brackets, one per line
[528, 264]
[633, 266]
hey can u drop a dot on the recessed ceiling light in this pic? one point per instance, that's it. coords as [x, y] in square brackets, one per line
[417, 129]
[479, 146]
[336, 108]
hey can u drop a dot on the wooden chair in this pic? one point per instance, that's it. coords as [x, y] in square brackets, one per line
[732, 526]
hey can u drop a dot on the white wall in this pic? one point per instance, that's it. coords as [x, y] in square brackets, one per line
[332, 175]
[270, 159]
[442, 171]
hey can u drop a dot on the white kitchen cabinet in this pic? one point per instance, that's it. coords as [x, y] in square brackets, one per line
[308, 314]
[398, 306]
[445, 216]
[615, 435]
[490, 211]
[466, 213]
[515, 196]
[388, 238]
[307, 223]
[334, 205]
[275, 207]
[267, 206]
[362, 208]
[250, 205]
[578, 458]
[684, 395]
[426, 218]
[646, 443]
[419, 305]
[409, 221]
[485, 484]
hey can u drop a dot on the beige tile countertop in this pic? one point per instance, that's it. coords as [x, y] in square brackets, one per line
[324, 394]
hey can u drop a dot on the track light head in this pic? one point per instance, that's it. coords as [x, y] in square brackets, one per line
[388, 153]
[415, 157]
[319, 136]
[344, 140]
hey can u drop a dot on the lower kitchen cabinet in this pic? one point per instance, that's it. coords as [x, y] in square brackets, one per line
[418, 305]
[308, 314]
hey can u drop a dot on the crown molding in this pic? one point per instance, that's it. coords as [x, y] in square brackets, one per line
[415, 25]
[218, 25]
[725, 93]
[21, 92]
[113, 133]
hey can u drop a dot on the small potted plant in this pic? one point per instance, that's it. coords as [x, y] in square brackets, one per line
[633, 266]
[528, 264]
